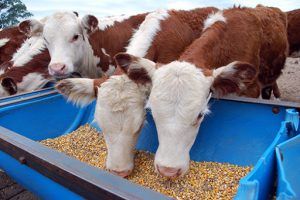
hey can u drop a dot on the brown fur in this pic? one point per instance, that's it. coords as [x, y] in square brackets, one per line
[294, 30]
[38, 64]
[114, 39]
[256, 36]
[178, 31]
[16, 39]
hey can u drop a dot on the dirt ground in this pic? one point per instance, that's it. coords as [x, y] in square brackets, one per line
[289, 81]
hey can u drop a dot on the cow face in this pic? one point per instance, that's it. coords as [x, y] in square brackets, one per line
[120, 112]
[66, 37]
[179, 101]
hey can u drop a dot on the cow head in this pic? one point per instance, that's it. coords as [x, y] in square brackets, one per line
[179, 101]
[66, 37]
[120, 112]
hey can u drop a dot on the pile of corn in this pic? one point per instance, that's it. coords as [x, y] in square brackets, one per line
[205, 180]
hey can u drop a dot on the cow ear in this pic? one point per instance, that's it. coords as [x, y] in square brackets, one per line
[233, 78]
[9, 85]
[139, 70]
[90, 23]
[31, 27]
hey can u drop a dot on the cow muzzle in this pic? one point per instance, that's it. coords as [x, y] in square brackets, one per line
[58, 69]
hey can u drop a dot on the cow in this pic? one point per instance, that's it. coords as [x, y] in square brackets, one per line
[293, 32]
[84, 45]
[241, 50]
[28, 68]
[120, 109]
[10, 40]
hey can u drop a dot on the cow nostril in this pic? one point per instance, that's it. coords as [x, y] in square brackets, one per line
[169, 172]
[63, 67]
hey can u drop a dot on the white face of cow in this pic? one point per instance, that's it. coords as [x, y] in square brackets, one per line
[120, 112]
[179, 99]
[66, 38]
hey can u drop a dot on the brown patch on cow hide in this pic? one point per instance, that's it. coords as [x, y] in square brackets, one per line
[177, 32]
[246, 36]
[16, 38]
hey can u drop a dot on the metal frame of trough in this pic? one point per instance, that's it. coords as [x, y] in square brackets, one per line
[85, 180]
[79, 177]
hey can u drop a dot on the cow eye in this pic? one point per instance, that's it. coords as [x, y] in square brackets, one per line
[75, 37]
[200, 115]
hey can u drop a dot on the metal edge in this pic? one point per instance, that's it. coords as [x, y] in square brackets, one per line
[88, 181]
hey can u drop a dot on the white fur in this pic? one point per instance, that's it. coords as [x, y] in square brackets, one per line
[213, 18]
[31, 82]
[106, 22]
[104, 52]
[179, 94]
[3, 41]
[120, 113]
[31, 47]
[59, 29]
[143, 37]
[2, 71]
[81, 91]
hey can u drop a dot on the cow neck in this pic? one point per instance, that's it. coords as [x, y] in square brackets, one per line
[113, 39]
[205, 51]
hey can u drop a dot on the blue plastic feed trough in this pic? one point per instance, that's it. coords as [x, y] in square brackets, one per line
[239, 131]
[288, 161]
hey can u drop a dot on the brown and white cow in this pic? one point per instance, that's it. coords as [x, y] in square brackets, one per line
[120, 110]
[85, 45]
[28, 68]
[10, 40]
[294, 32]
[240, 50]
